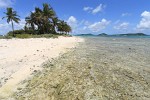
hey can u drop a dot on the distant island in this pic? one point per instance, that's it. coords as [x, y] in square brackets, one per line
[131, 34]
[105, 34]
[89, 34]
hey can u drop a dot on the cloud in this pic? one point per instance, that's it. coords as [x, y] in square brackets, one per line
[87, 9]
[6, 3]
[122, 26]
[5, 27]
[86, 23]
[95, 10]
[125, 14]
[72, 21]
[85, 26]
[98, 9]
[145, 21]
[98, 26]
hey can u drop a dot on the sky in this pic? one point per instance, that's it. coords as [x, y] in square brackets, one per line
[87, 16]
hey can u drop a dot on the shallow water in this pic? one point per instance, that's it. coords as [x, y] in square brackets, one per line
[101, 68]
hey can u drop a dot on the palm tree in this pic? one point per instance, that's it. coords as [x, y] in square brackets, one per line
[46, 21]
[64, 27]
[11, 16]
[67, 28]
[48, 15]
[55, 22]
[30, 21]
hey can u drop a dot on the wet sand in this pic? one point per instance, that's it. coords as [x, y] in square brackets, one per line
[20, 58]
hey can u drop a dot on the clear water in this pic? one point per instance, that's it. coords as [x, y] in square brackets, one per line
[101, 68]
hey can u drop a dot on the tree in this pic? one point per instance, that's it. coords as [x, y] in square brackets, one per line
[55, 23]
[50, 18]
[30, 21]
[64, 27]
[11, 16]
[46, 21]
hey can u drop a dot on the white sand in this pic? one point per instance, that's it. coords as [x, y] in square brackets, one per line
[19, 58]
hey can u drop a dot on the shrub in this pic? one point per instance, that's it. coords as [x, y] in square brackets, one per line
[32, 34]
[23, 36]
[7, 37]
[21, 32]
[1, 37]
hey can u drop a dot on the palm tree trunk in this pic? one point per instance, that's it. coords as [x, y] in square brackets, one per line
[54, 29]
[13, 28]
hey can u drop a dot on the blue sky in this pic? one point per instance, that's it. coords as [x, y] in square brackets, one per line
[88, 16]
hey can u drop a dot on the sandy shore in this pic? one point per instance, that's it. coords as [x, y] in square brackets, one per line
[19, 58]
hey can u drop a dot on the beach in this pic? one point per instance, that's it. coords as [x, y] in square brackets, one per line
[101, 68]
[20, 58]
[98, 68]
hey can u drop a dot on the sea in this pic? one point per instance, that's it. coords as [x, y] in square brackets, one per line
[118, 65]
[100, 68]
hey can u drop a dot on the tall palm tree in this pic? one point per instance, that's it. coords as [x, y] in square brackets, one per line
[11, 16]
[48, 11]
[48, 16]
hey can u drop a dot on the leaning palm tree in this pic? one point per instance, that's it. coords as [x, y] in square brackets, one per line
[11, 16]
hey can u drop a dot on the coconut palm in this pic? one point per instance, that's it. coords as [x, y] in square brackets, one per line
[67, 28]
[48, 15]
[11, 16]
[55, 22]
[64, 27]
[46, 21]
[48, 11]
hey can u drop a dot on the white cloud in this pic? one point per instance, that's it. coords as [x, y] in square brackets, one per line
[5, 27]
[21, 24]
[86, 23]
[95, 10]
[122, 26]
[6, 3]
[98, 9]
[72, 21]
[145, 21]
[87, 8]
[125, 14]
[98, 26]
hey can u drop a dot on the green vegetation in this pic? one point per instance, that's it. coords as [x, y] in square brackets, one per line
[40, 23]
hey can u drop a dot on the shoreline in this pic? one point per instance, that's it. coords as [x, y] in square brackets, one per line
[22, 57]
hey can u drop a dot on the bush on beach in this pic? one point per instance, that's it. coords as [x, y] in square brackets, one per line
[31, 34]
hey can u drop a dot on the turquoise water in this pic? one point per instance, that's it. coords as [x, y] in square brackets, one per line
[120, 36]
[120, 66]
[131, 36]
